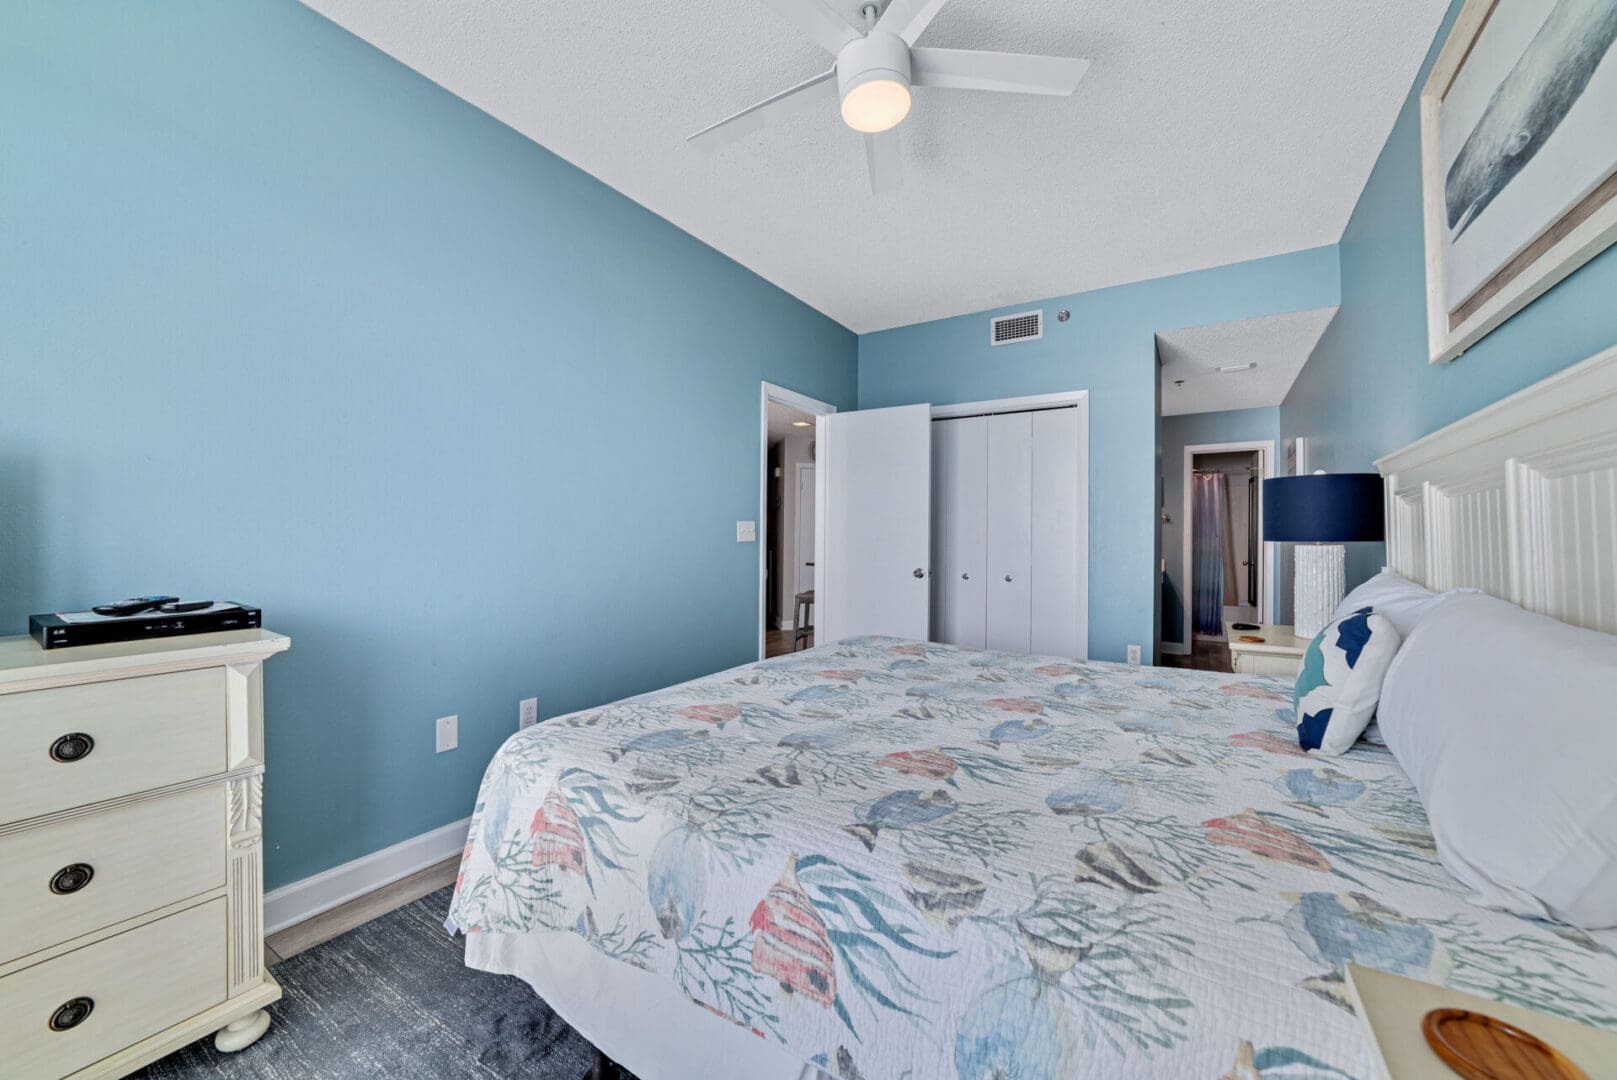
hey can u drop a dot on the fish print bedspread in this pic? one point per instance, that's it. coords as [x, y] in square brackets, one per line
[906, 860]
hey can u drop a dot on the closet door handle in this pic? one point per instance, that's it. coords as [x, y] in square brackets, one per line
[1007, 577]
[919, 572]
[965, 577]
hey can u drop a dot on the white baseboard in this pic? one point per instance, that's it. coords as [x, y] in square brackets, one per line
[291, 904]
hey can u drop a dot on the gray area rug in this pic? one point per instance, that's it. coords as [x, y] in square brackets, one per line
[392, 998]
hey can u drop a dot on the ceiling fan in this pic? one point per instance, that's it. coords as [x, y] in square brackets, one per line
[874, 71]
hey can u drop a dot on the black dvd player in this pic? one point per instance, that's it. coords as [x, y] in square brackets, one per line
[65, 629]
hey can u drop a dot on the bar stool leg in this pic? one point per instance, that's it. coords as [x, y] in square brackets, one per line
[801, 614]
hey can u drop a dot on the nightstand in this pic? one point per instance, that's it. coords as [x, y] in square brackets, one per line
[1391, 1007]
[1280, 654]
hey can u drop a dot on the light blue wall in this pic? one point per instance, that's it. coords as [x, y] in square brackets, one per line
[1109, 348]
[1368, 389]
[284, 322]
[1192, 429]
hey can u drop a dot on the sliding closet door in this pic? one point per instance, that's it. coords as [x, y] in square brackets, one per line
[959, 531]
[1058, 608]
[1010, 524]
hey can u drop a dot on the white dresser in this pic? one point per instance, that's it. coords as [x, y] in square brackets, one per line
[131, 851]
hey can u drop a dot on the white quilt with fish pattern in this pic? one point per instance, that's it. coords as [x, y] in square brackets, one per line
[907, 860]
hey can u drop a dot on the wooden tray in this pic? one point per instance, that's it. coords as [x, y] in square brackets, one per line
[1480, 1047]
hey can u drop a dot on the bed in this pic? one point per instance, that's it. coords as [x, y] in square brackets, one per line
[895, 859]
[889, 859]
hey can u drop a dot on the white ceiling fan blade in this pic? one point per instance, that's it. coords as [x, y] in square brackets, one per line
[907, 18]
[965, 69]
[884, 162]
[821, 88]
[818, 20]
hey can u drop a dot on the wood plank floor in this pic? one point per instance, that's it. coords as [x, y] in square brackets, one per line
[779, 642]
[343, 918]
[1205, 655]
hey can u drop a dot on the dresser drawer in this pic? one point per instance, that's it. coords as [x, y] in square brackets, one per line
[60, 881]
[133, 985]
[134, 734]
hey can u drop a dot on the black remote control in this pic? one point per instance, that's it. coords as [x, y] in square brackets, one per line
[133, 606]
[183, 606]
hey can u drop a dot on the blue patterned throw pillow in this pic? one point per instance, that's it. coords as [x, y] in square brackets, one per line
[1340, 681]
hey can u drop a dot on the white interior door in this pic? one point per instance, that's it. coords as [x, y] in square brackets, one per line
[1060, 577]
[1010, 513]
[805, 528]
[874, 523]
[960, 531]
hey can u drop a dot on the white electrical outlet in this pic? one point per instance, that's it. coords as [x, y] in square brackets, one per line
[746, 532]
[1134, 655]
[448, 729]
[527, 713]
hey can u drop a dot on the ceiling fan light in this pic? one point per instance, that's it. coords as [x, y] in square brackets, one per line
[876, 105]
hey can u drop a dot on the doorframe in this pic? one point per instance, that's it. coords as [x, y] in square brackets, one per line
[768, 392]
[797, 517]
[1266, 582]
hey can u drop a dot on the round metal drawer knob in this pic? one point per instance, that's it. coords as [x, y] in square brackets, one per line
[72, 878]
[72, 747]
[70, 1014]
[1007, 577]
[965, 577]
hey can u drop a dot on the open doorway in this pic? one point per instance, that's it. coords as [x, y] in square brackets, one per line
[1220, 383]
[786, 544]
[1228, 569]
[1226, 554]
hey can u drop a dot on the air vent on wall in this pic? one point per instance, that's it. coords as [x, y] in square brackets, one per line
[1023, 326]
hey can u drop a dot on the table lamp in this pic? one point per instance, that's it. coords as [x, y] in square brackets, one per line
[1319, 514]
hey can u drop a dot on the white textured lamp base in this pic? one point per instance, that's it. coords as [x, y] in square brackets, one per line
[1320, 585]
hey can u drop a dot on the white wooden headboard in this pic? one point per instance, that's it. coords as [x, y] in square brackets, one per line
[1519, 499]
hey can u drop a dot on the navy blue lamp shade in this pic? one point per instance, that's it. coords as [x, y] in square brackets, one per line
[1326, 508]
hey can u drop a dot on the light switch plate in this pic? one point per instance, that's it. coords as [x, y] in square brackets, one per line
[528, 713]
[448, 729]
[746, 532]
[1134, 655]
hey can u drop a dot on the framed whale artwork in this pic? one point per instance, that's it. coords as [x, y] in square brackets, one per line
[1518, 159]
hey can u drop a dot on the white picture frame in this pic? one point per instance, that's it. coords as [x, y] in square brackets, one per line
[1567, 239]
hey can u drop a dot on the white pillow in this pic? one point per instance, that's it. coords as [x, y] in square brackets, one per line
[1393, 597]
[1503, 719]
[1340, 681]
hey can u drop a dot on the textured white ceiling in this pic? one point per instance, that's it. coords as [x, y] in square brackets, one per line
[1204, 133]
[1279, 344]
[781, 418]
